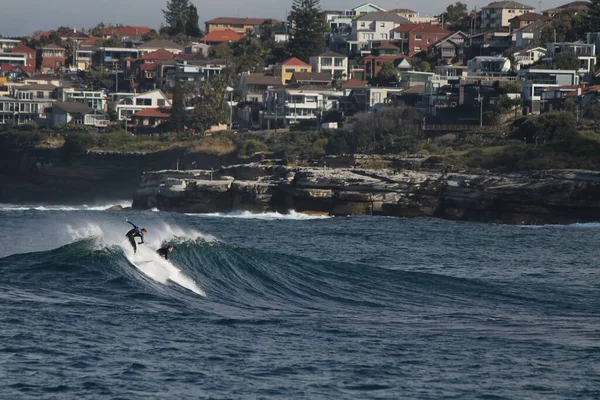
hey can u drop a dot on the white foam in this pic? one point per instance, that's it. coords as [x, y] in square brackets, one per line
[269, 216]
[85, 207]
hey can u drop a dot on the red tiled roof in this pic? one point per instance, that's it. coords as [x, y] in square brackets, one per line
[159, 112]
[354, 83]
[223, 36]
[295, 61]
[531, 17]
[42, 34]
[91, 41]
[30, 69]
[126, 31]
[241, 21]
[23, 49]
[159, 55]
[148, 67]
[7, 68]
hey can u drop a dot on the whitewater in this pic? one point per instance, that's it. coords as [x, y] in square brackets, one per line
[286, 306]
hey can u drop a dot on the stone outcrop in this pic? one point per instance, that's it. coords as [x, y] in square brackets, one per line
[545, 197]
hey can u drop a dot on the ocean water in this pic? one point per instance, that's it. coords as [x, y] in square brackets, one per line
[275, 306]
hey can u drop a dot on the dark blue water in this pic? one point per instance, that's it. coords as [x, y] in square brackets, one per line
[341, 308]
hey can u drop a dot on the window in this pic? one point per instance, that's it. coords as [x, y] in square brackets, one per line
[417, 48]
[382, 25]
[418, 36]
[304, 70]
[143, 102]
[40, 95]
[290, 70]
[362, 25]
[384, 36]
[161, 102]
[326, 62]
[339, 62]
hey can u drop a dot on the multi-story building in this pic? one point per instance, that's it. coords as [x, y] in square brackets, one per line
[489, 66]
[536, 81]
[523, 20]
[21, 111]
[372, 28]
[110, 59]
[527, 57]
[498, 14]
[556, 98]
[415, 38]
[254, 86]
[30, 57]
[289, 106]
[586, 53]
[53, 58]
[331, 62]
[132, 103]
[84, 53]
[96, 100]
[286, 69]
[239, 25]
[451, 47]
[191, 71]
[8, 44]
[13, 59]
[530, 34]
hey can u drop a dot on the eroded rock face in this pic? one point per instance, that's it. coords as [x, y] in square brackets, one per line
[548, 197]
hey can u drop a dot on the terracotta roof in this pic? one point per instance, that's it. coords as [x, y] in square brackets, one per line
[159, 55]
[30, 69]
[531, 17]
[91, 41]
[73, 107]
[42, 34]
[260, 79]
[148, 67]
[158, 112]
[241, 21]
[295, 61]
[223, 36]
[7, 68]
[23, 49]
[312, 77]
[354, 83]
[126, 31]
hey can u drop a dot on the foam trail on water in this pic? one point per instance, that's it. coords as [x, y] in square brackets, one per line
[45, 207]
[269, 216]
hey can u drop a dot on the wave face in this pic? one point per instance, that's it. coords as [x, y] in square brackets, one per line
[290, 308]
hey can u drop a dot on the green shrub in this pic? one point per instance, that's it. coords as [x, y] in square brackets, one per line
[76, 143]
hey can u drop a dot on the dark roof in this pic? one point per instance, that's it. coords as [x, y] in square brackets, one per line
[52, 46]
[235, 20]
[160, 44]
[35, 86]
[531, 17]
[312, 77]
[383, 16]
[260, 79]
[509, 4]
[72, 107]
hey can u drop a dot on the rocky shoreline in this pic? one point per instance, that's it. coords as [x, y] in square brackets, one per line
[548, 197]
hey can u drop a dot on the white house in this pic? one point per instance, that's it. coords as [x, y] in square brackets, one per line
[97, 100]
[488, 65]
[72, 113]
[372, 27]
[128, 106]
[288, 106]
[535, 81]
[528, 56]
[331, 62]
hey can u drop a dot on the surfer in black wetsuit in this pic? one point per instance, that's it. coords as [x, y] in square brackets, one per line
[135, 232]
[164, 251]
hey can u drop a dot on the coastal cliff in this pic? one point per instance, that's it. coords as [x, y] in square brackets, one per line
[563, 196]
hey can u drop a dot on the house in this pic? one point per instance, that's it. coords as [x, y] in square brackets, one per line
[586, 53]
[499, 13]
[40, 92]
[160, 44]
[68, 34]
[218, 37]
[289, 106]
[312, 78]
[532, 33]
[340, 21]
[72, 113]
[239, 25]
[535, 81]
[370, 28]
[96, 100]
[190, 71]
[370, 98]
[8, 44]
[197, 48]
[13, 73]
[43, 79]
[111, 59]
[406, 13]
[575, 7]
[372, 64]
[151, 117]
[129, 105]
[253, 86]
[53, 58]
[331, 62]
[289, 67]
[84, 53]
[30, 57]
[489, 66]
[21, 111]
[415, 38]
[451, 47]
[557, 98]
[124, 31]
[523, 20]
[13, 59]
[527, 57]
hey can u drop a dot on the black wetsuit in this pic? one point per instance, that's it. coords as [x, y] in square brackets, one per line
[132, 234]
[163, 252]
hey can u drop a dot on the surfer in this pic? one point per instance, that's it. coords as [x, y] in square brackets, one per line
[135, 232]
[164, 251]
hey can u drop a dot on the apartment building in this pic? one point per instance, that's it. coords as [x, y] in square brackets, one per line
[498, 14]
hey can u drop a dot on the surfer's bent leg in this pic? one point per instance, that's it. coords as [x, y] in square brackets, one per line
[132, 241]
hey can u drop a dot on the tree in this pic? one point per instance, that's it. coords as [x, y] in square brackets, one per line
[178, 112]
[567, 60]
[192, 27]
[175, 15]
[593, 16]
[208, 102]
[308, 29]
[387, 75]
[454, 14]
[553, 126]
